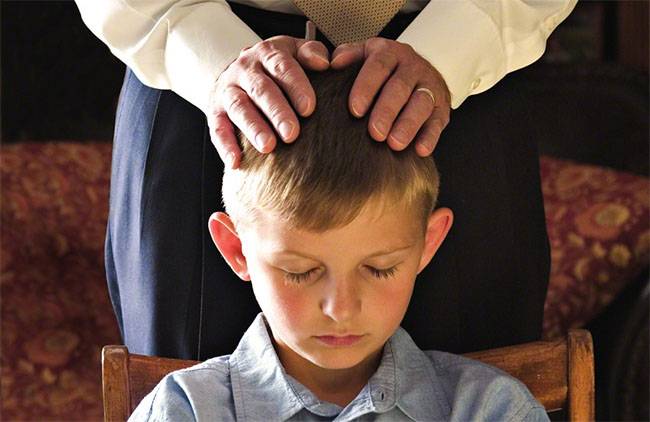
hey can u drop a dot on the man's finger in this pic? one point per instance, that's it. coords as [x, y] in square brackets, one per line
[270, 100]
[243, 113]
[312, 55]
[222, 134]
[287, 73]
[346, 54]
[417, 111]
[373, 74]
[429, 134]
[395, 93]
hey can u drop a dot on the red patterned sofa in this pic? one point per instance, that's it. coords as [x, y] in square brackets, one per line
[56, 314]
[597, 222]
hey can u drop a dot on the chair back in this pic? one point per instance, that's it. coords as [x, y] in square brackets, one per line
[559, 373]
[127, 378]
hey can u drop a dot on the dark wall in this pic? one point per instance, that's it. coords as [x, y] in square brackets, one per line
[58, 80]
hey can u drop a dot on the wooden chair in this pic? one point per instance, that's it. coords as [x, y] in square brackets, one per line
[559, 373]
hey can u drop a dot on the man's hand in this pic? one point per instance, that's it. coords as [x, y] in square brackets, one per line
[254, 86]
[401, 111]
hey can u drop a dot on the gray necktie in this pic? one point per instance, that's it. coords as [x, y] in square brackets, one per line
[348, 21]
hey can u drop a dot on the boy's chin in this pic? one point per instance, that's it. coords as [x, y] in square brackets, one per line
[336, 364]
[344, 359]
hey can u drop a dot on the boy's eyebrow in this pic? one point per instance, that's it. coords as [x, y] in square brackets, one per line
[296, 253]
[391, 251]
[378, 253]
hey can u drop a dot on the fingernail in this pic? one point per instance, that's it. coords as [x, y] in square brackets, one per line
[262, 140]
[359, 107]
[286, 129]
[400, 137]
[426, 148]
[303, 104]
[320, 56]
[381, 126]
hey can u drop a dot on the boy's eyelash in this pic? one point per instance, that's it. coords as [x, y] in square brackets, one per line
[385, 273]
[299, 277]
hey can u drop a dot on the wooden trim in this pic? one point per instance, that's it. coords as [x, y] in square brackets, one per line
[581, 376]
[532, 364]
[147, 371]
[115, 383]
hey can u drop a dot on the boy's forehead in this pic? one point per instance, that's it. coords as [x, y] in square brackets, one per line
[373, 231]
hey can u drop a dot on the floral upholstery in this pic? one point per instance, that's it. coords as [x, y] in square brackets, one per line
[56, 314]
[597, 223]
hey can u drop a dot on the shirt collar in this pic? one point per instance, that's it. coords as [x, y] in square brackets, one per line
[259, 383]
[418, 389]
[405, 378]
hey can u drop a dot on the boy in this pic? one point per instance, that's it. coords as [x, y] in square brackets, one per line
[331, 231]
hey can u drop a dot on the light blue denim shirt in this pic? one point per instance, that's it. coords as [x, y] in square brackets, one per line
[251, 385]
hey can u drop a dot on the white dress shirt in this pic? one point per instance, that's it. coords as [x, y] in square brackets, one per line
[184, 45]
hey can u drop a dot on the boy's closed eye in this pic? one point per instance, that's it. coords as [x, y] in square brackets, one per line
[298, 277]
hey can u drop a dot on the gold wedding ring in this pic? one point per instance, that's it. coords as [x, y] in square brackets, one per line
[427, 91]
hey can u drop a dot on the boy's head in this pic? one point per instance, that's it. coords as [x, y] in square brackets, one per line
[323, 179]
[332, 231]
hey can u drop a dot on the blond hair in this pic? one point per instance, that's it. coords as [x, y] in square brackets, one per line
[324, 179]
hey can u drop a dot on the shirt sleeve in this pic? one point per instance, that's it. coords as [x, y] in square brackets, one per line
[475, 43]
[182, 45]
[536, 414]
[505, 398]
[166, 402]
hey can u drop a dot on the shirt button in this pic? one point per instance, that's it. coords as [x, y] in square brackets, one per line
[475, 84]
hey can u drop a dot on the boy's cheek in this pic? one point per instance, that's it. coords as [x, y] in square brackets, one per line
[271, 288]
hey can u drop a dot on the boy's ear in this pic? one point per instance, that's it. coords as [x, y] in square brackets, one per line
[225, 236]
[439, 224]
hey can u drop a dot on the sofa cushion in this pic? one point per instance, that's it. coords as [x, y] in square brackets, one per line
[56, 313]
[597, 222]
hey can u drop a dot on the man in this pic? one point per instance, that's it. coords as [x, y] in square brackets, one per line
[211, 56]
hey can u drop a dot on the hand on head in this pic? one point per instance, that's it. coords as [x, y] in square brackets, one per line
[266, 83]
[250, 93]
[414, 101]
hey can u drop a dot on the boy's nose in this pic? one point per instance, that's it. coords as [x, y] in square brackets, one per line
[341, 301]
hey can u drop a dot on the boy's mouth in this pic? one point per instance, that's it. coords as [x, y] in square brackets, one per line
[338, 341]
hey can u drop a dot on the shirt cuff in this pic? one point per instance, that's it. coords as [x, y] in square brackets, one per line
[200, 46]
[487, 42]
